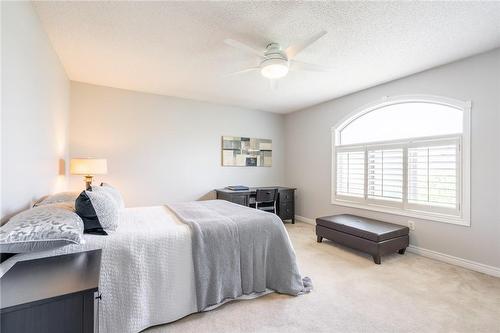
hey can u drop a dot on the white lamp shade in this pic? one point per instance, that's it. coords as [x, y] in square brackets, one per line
[88, 166]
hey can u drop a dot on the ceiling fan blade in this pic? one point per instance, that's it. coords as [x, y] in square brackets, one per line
[246, 70]
[304, 66]
[244, 47]
[293, 50]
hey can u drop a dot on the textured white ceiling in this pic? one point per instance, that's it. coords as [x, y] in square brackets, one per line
[177, 49]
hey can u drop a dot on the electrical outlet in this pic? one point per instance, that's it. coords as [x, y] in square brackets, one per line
[411, 225]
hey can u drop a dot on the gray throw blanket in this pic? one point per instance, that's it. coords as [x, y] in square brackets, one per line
[239, 251]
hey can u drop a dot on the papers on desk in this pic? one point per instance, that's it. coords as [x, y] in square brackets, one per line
[238, 188]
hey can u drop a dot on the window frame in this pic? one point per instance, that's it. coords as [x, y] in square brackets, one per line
[405, 208]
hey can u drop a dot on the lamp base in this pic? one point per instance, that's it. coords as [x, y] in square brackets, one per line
[88, 182]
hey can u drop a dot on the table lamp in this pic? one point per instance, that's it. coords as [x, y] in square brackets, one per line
[88, 167]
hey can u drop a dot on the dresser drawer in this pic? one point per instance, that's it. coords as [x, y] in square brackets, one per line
[61, 315]
[286, 195]
[51, 294]
[286, 210]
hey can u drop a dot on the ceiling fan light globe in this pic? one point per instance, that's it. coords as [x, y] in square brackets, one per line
[274, 69]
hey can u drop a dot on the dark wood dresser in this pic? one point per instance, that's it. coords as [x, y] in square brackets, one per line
[285, 205]
[51, 295]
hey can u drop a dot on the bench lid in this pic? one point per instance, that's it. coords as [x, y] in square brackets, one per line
[363, 227]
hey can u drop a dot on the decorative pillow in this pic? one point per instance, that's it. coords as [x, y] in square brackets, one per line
[113, 192]
[57, 198]
[98, 211]
[41, 228]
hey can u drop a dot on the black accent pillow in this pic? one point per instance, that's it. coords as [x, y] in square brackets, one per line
[85, 209]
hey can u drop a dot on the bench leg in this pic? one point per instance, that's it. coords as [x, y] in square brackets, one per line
[377, 259]
[319, 239]
[402, 251]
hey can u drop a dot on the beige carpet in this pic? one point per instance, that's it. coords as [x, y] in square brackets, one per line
[406, 293]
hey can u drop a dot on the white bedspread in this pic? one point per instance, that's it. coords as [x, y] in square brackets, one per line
[147, 274]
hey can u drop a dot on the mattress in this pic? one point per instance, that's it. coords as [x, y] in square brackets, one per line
[147, 272]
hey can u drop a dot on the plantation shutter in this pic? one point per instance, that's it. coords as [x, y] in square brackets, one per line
[385, 174]
[433, 174]
[351, 173]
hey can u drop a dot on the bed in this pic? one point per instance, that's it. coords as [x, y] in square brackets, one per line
[148, 272]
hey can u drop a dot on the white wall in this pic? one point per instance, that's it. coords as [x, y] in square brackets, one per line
[308, 155]
[164, 149]
[35, 104]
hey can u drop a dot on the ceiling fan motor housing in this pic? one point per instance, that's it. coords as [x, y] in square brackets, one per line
[274, 51]
[275, 64]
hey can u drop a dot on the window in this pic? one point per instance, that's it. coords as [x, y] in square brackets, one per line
[407, 155]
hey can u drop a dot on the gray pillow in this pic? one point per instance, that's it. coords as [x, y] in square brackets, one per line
[41, 228]
[57, 198]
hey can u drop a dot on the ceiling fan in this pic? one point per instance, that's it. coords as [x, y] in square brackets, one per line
[275, 62]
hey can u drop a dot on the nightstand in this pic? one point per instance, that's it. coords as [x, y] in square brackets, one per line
[53, 294]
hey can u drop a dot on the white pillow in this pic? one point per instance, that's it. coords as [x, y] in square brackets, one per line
[113, 192]
[98, 210]
[41, 228]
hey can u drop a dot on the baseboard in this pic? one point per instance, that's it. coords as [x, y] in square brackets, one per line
[469, 264]
[305, 219]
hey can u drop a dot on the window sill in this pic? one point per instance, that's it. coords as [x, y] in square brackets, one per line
[408, 213]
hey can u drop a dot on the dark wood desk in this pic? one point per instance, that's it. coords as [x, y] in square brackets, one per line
[285, 205]
[52, 295]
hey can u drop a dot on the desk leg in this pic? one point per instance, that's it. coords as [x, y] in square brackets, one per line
[293, 220]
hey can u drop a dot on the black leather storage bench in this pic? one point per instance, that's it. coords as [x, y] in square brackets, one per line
[371, 236]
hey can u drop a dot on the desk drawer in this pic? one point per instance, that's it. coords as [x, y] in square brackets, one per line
[237, 198]
[286, 210]
[286, 195]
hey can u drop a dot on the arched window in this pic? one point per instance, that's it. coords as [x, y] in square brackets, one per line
[407, 155]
